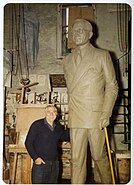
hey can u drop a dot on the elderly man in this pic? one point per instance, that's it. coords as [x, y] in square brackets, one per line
[42, 145]
[92, 90]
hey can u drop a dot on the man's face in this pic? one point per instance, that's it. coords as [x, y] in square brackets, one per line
[51, 114]
[80, 35]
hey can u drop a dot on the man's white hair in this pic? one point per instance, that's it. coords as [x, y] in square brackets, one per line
[51, 105]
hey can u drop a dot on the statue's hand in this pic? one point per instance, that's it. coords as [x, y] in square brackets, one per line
[104, 121]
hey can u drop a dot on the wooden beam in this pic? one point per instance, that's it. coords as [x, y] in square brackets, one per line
[28, 85]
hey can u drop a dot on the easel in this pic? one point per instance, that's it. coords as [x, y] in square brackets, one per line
[19, 151]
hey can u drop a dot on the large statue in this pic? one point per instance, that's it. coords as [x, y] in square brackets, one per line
[92, 90]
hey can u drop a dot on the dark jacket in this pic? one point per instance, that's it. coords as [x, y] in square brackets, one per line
[41, 141]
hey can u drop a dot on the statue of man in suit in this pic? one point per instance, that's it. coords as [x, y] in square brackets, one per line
[92, 90]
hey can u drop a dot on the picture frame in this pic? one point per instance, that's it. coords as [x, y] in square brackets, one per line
[57, 80]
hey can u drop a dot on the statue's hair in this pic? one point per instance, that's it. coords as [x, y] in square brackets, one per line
[85, 24]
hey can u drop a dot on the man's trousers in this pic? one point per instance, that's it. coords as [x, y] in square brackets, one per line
[45, 173]
[79, 143]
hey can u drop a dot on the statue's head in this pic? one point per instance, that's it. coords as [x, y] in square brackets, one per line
[82, 31]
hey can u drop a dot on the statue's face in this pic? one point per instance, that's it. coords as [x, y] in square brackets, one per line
[80, 35]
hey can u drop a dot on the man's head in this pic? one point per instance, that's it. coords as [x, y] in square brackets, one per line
[51, 113]
[82, 31]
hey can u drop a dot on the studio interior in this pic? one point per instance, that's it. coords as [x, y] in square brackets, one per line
[37, 36]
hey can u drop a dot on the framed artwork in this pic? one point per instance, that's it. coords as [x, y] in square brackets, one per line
[57, 80]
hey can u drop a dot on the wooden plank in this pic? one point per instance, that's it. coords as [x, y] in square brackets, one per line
[28, 85]
[16, 149]
[28, 176]
[26, 115]
[14, 168]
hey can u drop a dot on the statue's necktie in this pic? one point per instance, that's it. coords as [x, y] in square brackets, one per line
[78, 57]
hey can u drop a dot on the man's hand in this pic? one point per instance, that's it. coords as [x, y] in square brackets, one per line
[39, 161]
[104, 121]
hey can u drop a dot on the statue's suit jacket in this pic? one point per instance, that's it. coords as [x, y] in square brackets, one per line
[92, 87]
